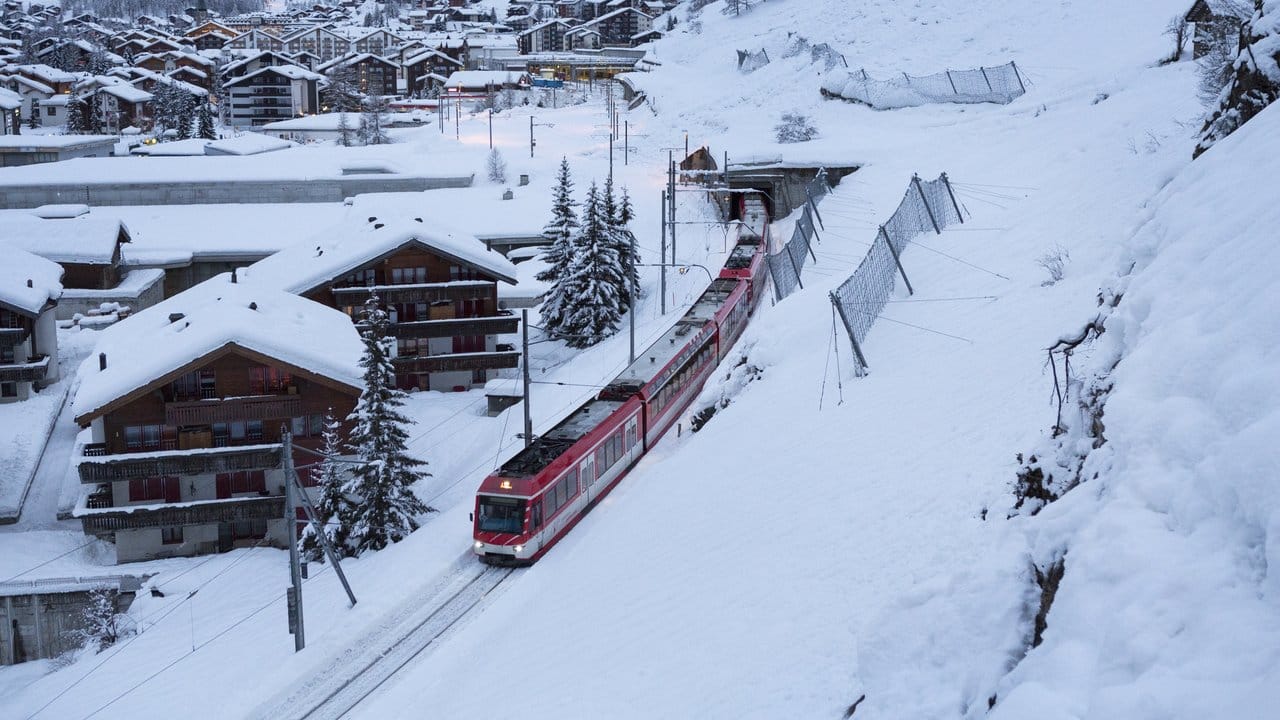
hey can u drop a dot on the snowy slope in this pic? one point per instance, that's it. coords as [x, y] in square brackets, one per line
[824, 536]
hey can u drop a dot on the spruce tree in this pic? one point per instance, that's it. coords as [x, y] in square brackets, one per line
[385, 509]
[560, 231]
[33, 122]
[94, 118]
[371, 132]
[622, 239]
[1255, 82]
[333, 509]
[204, 121]
[75, 116]
[628, 249]
[342, 94]
[590, 296]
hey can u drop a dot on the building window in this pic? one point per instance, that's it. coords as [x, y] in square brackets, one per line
[264, 380]
[241, 482]
[163, 488]
[248, 529]
[171, 535]
[317, 424]
[9, 389]
[143, 437]
[50, 110]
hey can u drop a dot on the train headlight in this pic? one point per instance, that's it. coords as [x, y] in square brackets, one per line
[479, 545]
[519, 549]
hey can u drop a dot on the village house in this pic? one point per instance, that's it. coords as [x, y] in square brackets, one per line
[29, 291]
[373, 74]
[255, 39]
[319, 41]
[185, 405]
[428, 69]
[544, 37]
[439, 286]
[274, 92]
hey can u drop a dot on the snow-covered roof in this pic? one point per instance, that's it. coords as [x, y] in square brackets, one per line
[430, 53]
[293, 72]
[45, 73]
[83, 240]
[247, 144]
[10, 100]
[354, 58]
[482, 78]
[28, 282]
[61, 210]
[359, 241]
[322, 121]
[127, 92]
[148, 346]
[177, 148]
[40, 142]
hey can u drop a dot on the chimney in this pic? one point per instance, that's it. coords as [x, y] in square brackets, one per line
[102, 361]
[372, 218]
[253, 306]
[233, 276]
[377, 226]
[29, 283]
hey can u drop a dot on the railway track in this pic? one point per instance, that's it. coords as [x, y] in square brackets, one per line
[348, 681]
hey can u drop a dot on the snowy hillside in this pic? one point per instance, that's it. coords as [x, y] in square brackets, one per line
[827, 537]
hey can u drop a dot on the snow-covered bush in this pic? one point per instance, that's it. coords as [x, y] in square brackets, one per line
[1054, 261]
[795, 128]
[101, 625]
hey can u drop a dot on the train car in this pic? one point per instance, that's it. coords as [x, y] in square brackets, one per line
[753, 214]
[746, 262]
[538, 495]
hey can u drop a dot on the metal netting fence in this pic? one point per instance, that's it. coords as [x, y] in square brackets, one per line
[928, 205]
[1000, 84]
[786, 264]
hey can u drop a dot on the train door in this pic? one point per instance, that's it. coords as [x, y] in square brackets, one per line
[632, 438]
[588, 478]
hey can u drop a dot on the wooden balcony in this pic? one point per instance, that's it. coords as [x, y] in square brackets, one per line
[417, 293]
[207, 412]
[497, 325]
[34, 370]
[12, 337]
[95, 468]
[458, 361]
[105, 522]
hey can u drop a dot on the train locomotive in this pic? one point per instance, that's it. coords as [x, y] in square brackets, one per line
[538, 495]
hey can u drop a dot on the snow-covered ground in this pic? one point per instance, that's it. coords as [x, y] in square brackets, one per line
[827, 536]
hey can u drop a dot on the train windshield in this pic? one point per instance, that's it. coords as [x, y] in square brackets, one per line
[501, 514]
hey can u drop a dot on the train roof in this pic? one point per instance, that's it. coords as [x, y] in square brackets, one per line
[657, 356]
[742, 254]
[544, 450]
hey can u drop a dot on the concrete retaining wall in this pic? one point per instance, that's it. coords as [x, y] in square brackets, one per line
[310, 190]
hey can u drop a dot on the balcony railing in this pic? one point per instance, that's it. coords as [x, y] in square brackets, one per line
[497, 325]
[12, 337]
[99, 522]
[34, 370]
[96, 468]
[417, 293]
[207, 412]
[458, 361]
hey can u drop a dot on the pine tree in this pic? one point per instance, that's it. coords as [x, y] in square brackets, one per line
[590, 296]
[93, 122]
[622, 239]
[371, 132]
[344, 130]
[1255, 82]
[386, 510]
[343, 91]
[76, 111]
[560, 231]
[204, 122]
[333, 509]
[33, 122]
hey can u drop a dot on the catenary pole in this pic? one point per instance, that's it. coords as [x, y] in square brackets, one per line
[295, 565]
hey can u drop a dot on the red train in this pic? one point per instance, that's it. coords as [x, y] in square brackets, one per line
[529, 503]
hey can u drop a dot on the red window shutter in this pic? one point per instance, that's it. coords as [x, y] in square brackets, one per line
[172, 489]
[137, 490]
[223, 483]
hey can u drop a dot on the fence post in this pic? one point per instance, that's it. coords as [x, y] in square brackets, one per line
[814, 206]
[1018, 75]
[954, 91]
[862, 368]
[915, 179]
[984, 77]
[947, 181]
[894, 252]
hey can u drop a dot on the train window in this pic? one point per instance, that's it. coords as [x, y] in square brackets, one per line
[501, 514]
[536, 515]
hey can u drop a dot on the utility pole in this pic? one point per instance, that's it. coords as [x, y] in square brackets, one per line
[635, 299]
[490, 128]
[663, 287]
[294, 592]
[611, 155]
[457, 119]
[626, 142]
[531, 141]
[524, 364]
[671, 197]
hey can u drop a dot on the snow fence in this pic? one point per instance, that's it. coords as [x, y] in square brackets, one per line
[927, 205]
[785, 265]
[1000, 84]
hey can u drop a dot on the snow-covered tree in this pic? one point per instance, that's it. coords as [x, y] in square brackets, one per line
[76, 120]
[101, 625]
[621, 238]
[33, 122]
[93, 119]
[371, 119]
[385, 509]
[560, 231]
[590, 296]
[795, 128]
[98, 63]
[333, 509]
[204, 123]
[496, 167]
[1255, 79]
[344, 130]
[343, 91]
